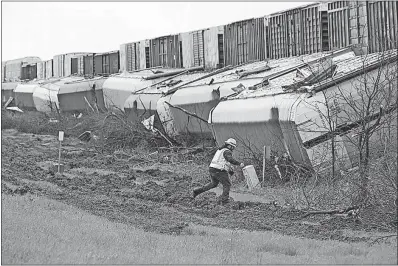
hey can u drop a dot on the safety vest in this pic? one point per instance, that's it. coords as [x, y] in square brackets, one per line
[219, 161]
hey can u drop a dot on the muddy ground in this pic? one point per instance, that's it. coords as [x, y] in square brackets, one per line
[154, 198]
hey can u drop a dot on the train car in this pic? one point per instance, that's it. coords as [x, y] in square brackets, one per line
[130, 57]
[13, 68]
[24, 95]
[298, 31]
[370, 25]
[165, 51]
[62, 64]
[77, 65]
[245, 41]
[72, 95]
[7, 91]
[203, 48]
[106, 63]
[29, 71]
[101, 64]
[382, 24]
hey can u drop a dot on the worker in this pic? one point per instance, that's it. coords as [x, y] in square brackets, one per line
[219, 169]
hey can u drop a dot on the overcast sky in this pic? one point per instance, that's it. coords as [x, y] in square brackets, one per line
[46, 29]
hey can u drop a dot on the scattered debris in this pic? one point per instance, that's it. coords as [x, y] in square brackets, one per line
[14, 109]
[8, 102]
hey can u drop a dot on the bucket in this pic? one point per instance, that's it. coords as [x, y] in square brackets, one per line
[250, 176]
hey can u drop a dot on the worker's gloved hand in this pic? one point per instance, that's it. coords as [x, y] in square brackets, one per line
[242, 165]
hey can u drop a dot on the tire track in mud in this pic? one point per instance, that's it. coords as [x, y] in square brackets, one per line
[160, 202]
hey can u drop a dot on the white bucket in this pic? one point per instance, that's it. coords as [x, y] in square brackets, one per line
[250, 176]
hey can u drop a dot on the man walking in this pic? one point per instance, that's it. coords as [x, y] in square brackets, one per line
[219, 169]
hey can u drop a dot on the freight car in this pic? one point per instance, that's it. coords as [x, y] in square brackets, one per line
[245, 41]
[62, 64]
[29, 71]
[203, 47]
[13, 68]
[45, 69]
[101, 64]
[371, 25]
[298, 31]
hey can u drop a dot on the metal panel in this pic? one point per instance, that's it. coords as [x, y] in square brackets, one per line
[358, 22]
[41, 68]
[114, 63]
[13, 68]
[383, 26]
[296, 31]
[49, 69]
[105, 64]
[144, 54]
[187, 48]
[74, 66]
[245, 41]
[339, 24]
[98, 64]
[123, 57]
[56, 66]
[165, 51]
[89, 65]
[80, 65]
[198, 48]
[214, 45]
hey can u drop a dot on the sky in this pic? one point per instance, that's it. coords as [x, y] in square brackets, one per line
[45, 29]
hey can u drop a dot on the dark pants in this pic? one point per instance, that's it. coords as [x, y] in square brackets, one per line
[217, 176]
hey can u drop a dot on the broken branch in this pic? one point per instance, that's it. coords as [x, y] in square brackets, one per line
[187, 112]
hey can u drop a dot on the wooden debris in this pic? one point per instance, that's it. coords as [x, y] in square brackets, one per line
[337, 211]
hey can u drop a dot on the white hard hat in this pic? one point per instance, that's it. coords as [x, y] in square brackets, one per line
[231, 142]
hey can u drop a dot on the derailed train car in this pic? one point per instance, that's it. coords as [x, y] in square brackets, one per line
[203, 47]
[293, 122]
[100, 64]
[62, 64]
[22, 68]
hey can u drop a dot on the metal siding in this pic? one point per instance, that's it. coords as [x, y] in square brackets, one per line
[123, 57]
[382, 16]
[211, 53]
[80, 65]
[89, 65]
[187, 48]
[165, 51]
[49, 69]
[41, 70]
[245, 41]
[13, 68]
[98, 64]
[114, 63]
[74, 66]
[56, 70]
[142, 54]
[67, 65]
[198, 48]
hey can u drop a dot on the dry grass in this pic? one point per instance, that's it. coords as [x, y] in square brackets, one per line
[42, 231]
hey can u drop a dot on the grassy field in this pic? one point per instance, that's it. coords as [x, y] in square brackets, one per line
[37, 230]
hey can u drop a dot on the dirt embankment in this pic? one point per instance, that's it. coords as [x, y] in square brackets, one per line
[153, 198]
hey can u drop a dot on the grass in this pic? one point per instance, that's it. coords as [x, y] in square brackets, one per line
[37, 230]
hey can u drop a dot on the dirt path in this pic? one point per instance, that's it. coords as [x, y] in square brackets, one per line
[154, 199]
[243, 197]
